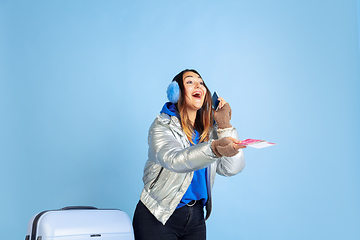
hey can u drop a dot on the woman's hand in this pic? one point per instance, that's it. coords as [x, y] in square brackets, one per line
[236, 142]
[226, 146]
[221, 103]
[223, 115]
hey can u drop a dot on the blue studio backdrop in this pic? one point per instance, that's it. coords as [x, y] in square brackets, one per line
[81, 82]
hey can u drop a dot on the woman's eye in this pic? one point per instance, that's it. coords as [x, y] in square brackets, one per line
[189, 82]
[202, 83]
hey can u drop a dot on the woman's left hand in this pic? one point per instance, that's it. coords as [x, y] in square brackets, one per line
[223, 115]
[222, 102]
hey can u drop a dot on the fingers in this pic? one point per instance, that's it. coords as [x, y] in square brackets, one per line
[227, 151]
[222, 102]
[239, 146]
[236, 144]
[234, 140]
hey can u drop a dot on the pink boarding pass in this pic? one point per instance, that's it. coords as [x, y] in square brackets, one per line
[255, 143]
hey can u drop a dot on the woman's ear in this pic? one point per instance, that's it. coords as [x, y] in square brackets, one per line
[173, 92]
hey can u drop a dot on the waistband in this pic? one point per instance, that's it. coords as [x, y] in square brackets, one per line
[194, 203]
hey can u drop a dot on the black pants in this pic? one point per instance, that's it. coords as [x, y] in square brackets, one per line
[186, 223]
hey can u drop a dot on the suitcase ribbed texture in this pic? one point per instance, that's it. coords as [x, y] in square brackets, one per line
[80, 223]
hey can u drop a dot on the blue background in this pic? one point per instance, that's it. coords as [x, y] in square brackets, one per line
[81, 82]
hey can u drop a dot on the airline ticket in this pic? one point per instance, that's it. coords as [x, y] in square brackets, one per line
[256, 143]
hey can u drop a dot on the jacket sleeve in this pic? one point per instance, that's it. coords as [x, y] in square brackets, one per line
[167, 148]
[229, 166]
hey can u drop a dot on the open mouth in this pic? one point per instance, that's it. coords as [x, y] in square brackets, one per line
[197, 95]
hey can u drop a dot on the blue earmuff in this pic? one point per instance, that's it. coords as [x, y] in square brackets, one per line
[173, 92]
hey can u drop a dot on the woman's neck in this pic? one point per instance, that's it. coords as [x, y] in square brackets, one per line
[192, 117]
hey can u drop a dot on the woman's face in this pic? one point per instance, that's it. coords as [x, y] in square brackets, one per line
[194, 90]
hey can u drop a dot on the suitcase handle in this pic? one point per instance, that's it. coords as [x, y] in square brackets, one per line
[78, 208]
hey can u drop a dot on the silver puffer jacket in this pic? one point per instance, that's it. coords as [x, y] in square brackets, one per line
[171, 164]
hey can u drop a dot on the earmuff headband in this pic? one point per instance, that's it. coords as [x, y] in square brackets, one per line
[173, 92]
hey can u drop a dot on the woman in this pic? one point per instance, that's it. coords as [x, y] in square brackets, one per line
[186, 150]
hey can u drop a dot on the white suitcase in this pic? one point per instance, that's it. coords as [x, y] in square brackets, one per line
[80, 223]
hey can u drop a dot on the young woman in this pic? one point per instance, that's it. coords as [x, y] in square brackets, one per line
[186, 150]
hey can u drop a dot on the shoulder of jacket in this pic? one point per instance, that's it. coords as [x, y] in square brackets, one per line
[168, 120]
[163, 118]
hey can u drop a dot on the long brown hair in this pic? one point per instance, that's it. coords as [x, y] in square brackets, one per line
[204, 116]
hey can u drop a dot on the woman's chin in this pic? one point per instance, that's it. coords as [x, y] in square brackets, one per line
[197, 107]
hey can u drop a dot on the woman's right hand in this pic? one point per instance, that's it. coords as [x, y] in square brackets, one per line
[226, 146]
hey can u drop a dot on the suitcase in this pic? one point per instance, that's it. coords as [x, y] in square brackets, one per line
[80, 223]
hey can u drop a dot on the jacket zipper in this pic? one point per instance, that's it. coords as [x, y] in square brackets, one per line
[208, 187]
[156, 179]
